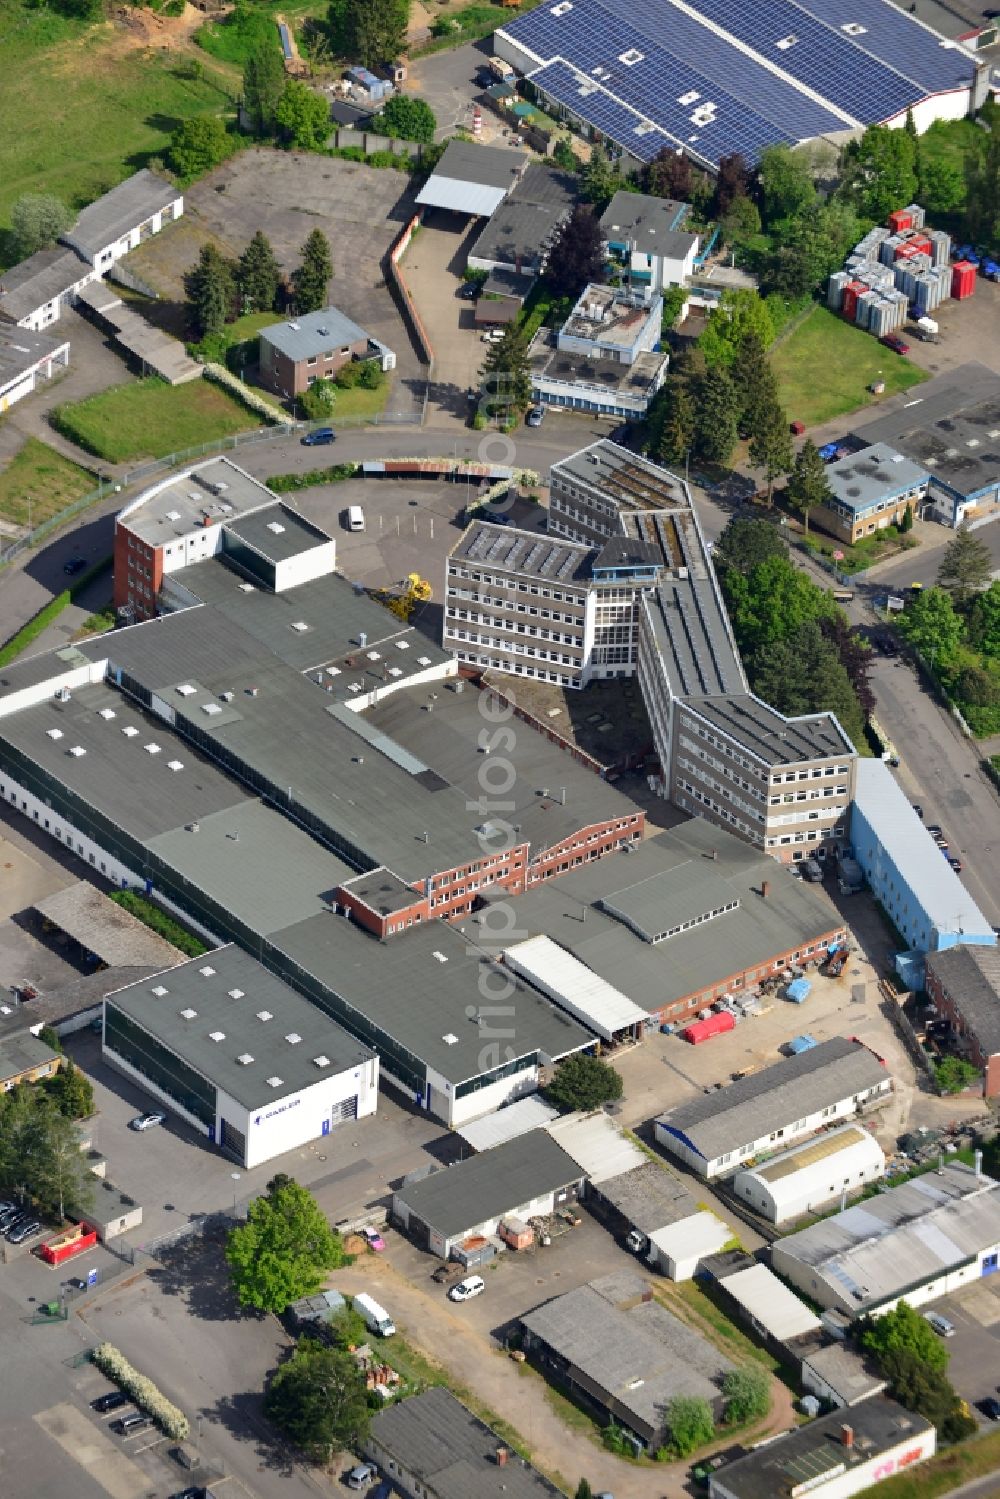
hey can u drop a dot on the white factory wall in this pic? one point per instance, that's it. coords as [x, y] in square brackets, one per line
[950, 106]
[316, 562]
[41, 692]
[284, 1123]
[441, 1102]
[861, 1476]
[827, 1295]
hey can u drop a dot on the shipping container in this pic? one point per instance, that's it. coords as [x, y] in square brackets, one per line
[963, 279]
[899, 219]
[835, 290]
[850, 303]
[917, 215]
[704, 1030]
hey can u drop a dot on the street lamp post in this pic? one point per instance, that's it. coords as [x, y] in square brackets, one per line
[236, 1177]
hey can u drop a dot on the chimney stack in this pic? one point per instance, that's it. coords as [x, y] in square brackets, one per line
[502, 1456]
[847, 1436]
[765, 889]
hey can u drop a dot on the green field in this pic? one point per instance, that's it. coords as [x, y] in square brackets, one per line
[90, 106]
[150, 419]
[39, 474]
[825, 366]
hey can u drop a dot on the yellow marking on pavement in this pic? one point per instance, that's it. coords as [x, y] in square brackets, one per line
[87, 1445]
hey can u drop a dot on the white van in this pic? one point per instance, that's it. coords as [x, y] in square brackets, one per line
[355, 518]
[376, 1317]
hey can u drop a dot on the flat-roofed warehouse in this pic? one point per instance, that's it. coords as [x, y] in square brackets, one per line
[240, 1055]
[717, 1132]
[915, 1242]
[810, 1176]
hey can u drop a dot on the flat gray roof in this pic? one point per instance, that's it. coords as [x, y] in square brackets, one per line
[215, 491]
[471, 178]
[40, 279]
[313, 333]
[971, 975]
[794, 914]
[633, 1350]
[277, 532]
[526, 553]
[210, 1017]
[650, 225]
[549, 362]
[950, 427]
[21, 350]
[439, 971]
[717, 1122]
[816, 1451]
[451, 1452]
[875, 473]
[520, 232]
[19, 1053]
[650, 1196]
[462, 1196]
[124, 208]
[771, 736]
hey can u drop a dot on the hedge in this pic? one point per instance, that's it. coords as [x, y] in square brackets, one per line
[159, 922]
[142, 1390]
[282, 483]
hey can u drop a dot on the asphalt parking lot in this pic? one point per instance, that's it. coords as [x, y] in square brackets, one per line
[447, 81]
[974, 1362]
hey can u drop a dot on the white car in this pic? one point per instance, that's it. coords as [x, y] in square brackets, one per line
[491, 336]
[473, 1285]
[147, 1121]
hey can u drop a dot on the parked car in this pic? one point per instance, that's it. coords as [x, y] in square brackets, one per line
[536, 416]
[491, 336]
[990, 1407]
[319, 437]
[22, 1231]
[194, 1492]
[73, 566]
[894, 342]
[126, 1425]
[373, 1239]
[935, 830]
[112, 1400]
[941, 1325]
[956, 865]
[495, 517]
[147, 1121]
[919, 811]
[361, 1476]
[473, 1285]
[469, 290]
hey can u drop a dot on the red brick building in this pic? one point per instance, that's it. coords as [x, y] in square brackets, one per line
[964, 984]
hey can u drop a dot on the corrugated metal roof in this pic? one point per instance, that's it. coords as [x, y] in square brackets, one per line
[777, 1309]
[518, 1118]
[597, 1144]
[491, 1185]
[574, 986]
[816, 1155]
[475, 198]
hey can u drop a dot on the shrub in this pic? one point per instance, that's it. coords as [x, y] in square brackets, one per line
[142, 1390]
[282, 483]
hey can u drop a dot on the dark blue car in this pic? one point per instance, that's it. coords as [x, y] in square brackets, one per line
[318, 438]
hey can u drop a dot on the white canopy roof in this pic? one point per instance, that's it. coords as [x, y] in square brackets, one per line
[574, 986]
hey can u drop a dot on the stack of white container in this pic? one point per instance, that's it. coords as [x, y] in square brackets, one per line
[882, 286]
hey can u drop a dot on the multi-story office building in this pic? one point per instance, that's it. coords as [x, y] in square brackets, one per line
[623, 585]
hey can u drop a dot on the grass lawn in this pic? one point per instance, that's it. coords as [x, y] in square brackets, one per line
[92, 105]
[825, 366]
[359, 404]
[151, 419]
[37, 472]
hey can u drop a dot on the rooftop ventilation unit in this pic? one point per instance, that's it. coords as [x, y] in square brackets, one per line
[373, 656]
[244, 1059]
[236, 994]
[159, 991]
[211, 709]
[77, 750]
[188, 1014]
[299, 625]
[691, 97]
[631, 57]
[130, 731]
[226, 697]
[62, 694]
[185, 689]
[275, 1082]
[151, 749]
[785, 43]
[216, 1036]
[321, 1060]
[175, 765]
[293, 1038]
[563, 8]
[106, 713]
[264, 1015]
[440, 956]
[404, 645]
[246, 588]
[54, 733]
[207, 971]
[450, 1039]
[175, 514]
[853, 28]
[276, 527]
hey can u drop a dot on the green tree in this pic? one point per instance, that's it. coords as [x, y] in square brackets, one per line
[407, 118]
[318, 1399]
[982, 179]
[954, 1074]
[942, 186]
[739, 314]
[65, 1182]
[263, 86]
[284, 1250]
[36, 221]
[966, 567]
[786, 185]
[930, 624]
[577, 254]
[803, 673]
[742, 221]
[732, 183]
[50, 1036]
[259, 276]
[810, 248]
[668, 175]
[304, 116]
[918, 1387]
[583, 1082]
[505, 375]
[984, 621]
[600, 179]
[716, 416]
[770, 601]
[23, 1144]
[377, 30]
[564, 156]
[583, 1490]
[747, 1393]
[311, 279]
[807, 484]
[903, 1328]
[771, 445]
[753, 380]
[677, 432]
[319, 400]
[745, 544]
[880, 171]
[690, 1423]
[906, 524]
[71, 1092]
[196, 146]
[211, 292]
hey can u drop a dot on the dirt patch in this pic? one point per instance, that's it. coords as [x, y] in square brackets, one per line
[140, 27]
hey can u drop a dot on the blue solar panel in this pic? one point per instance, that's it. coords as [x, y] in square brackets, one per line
[899, 40]
[679, 61]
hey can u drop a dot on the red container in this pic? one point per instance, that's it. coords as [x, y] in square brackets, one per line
[74, 1241]
[922, 243]
[849, 306]
[900, 220]
[905, 251]
[704, 1030]
[963, 279]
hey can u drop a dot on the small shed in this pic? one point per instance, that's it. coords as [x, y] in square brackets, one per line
[677, 1248]
[367, 83]
[516, 1234]
[798, 991]
[801, 1043]
[475, 1251]
[713, 1025]
[114, 1212]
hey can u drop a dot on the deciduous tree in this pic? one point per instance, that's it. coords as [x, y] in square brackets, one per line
[738, 314]
[311, 278]
[690, 1423]
[732, 182]
[966, 567]
[583, 1082]
[747, 1393]
[318, 1399]
[600, 179]
[903, 1329]
[880, 171]
[263, 86]
[668, 175]
[196, 146]
[304, 116]
[930, 624]
[786, 185]
[71, 1091]
[36, 221]
[407, 118]
[577, 254]
[284, 1250]
[377, 30]
[745, 544]
[984, 621]
[982, 178]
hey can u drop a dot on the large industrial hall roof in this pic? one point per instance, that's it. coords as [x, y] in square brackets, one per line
[719, 76]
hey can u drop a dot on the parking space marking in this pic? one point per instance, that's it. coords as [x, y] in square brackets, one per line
[87, 1445]
[981, 1305]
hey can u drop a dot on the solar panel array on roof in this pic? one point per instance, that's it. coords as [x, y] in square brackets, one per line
[731, 76]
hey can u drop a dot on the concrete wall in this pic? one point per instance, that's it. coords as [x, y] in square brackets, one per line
[858, 1477]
